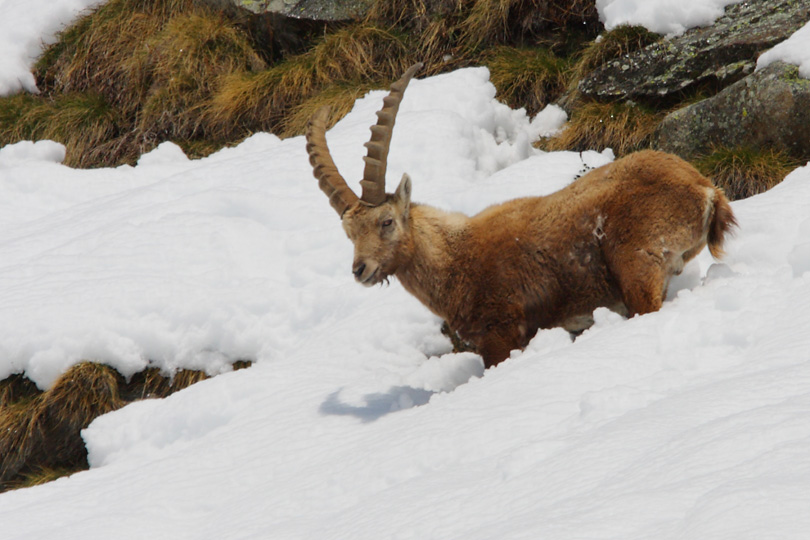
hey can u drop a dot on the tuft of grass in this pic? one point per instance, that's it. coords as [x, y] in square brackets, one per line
[455, 32]
[413, 15]
[102, 52]
[83, 122]
[339, 97]
[625, 127]
[186, 61]
[527, 77]
[497, 22]
[742, 171]
[39, 476]
[361, 54]
[43, 431]
[138, 72]
[40, 432]
[15, 389]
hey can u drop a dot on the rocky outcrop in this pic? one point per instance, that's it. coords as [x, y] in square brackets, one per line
[770, 108]
[720, 54]
[315, 10]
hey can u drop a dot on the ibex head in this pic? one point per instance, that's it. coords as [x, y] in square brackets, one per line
[376, 221]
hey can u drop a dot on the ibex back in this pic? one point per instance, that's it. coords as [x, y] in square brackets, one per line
[612, 238]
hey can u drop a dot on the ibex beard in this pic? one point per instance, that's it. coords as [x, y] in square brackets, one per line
[613, 238]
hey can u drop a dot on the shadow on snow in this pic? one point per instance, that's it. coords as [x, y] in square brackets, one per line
[377, 405]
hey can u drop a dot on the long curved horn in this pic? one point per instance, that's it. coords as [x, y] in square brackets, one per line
[341, 196]
[373, 181]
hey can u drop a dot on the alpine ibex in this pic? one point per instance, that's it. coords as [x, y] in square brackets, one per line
[612, 238]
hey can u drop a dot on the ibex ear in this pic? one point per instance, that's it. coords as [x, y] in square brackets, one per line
[402, 196]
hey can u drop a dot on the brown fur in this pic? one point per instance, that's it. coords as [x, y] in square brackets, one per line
[613, 238]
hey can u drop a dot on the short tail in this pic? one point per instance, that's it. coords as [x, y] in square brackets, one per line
[722, 222]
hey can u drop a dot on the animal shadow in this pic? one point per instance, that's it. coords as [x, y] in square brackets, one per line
[377, 405]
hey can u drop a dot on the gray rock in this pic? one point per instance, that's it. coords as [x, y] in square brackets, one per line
[316, 10]
[721, 54]
[282, 27]
[770, 108]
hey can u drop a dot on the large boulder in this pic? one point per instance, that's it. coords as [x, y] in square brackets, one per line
[770, 108]
[720, 54]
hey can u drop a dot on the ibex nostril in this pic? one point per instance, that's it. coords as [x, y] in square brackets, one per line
[358, 270]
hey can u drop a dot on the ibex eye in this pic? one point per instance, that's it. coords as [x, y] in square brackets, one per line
[387, 222]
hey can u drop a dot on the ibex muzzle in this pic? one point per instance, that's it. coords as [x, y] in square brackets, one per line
[612, 238]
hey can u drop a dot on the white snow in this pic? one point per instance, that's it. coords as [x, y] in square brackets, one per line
[794, 50]
[25, 27]
[670, 17]
[356, 421]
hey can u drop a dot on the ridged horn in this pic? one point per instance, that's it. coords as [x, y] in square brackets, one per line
[341, 196]
[373, 182]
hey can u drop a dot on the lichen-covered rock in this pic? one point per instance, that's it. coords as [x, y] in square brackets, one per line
[770, 108]
[722, 53]
[316, 10]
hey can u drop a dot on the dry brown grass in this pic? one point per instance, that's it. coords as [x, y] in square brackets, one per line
[473, 24]
[40, 432]
[130, 75]
[624, 127]
[498, 22]
[186, 61]
[79, 120]
[743, 172]
[43, 431]
[361, 56]
[530, 78]
[339, 98]
[134, 73]
[104, 51]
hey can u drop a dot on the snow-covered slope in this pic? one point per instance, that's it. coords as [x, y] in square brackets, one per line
[356, 422]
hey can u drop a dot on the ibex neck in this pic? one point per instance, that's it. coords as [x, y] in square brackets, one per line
[433, 249]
